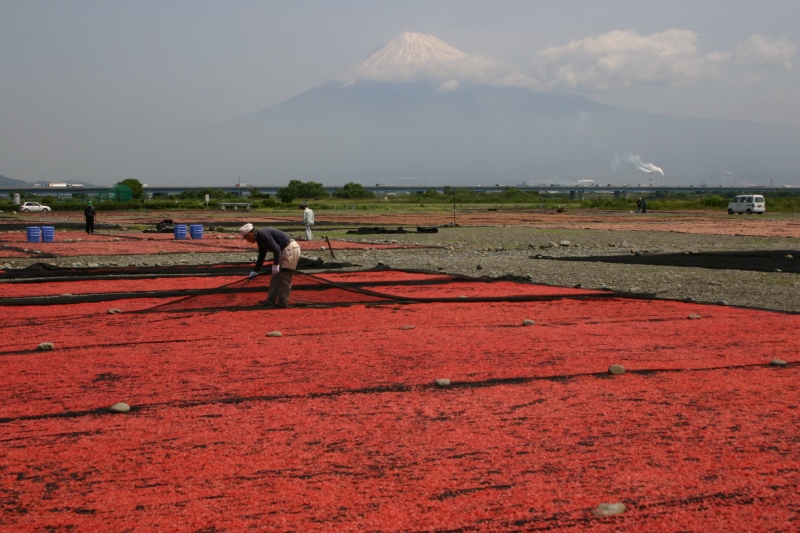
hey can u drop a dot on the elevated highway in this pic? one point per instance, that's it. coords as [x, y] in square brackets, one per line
[384, 190]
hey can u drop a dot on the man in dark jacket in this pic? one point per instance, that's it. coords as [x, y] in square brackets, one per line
[285, 256]
[89, 214]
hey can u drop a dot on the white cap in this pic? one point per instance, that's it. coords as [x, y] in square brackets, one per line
[244, 230]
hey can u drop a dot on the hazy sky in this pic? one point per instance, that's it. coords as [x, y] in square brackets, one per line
[82, 81]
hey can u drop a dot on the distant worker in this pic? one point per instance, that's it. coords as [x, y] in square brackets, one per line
[644, 205]
[639, 205]
[89, 214]
[308, 220]
[285, 253]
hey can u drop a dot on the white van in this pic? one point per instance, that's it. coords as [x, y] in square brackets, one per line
[747, 203]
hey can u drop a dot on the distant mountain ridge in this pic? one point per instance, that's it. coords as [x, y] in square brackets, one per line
[8, 182]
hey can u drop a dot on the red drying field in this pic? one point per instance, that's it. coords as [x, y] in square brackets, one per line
[337, 424]
[15, 244]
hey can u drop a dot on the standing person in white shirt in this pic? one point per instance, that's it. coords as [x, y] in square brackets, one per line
[308, 220]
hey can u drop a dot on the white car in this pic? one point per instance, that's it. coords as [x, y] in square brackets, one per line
[747, 203]
[33, 207]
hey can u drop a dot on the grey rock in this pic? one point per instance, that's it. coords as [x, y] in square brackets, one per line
[609, 509]
[114, 311]
[528, 322]
[46, 346]
[406, 327]
[616, 370]
[442, 382]
[120, 407]
[695, 317]
[274, 334]
[777, 362]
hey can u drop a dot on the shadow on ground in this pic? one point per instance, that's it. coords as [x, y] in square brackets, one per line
[762, 261]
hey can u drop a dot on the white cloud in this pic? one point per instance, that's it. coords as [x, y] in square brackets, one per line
[622, 59]
[474, 69]
[449, 85]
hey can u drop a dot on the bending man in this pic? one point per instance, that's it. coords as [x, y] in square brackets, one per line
[285, 253]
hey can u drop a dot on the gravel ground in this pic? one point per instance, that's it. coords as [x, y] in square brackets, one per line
[513, 251]
[500, 251]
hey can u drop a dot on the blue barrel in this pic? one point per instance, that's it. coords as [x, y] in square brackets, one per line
[48, 233]
[180, 231]
[34, 233]
[196, 231]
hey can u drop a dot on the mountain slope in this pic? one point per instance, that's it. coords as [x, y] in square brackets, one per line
[379, 131]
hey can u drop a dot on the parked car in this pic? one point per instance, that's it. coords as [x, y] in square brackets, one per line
[34, 207]
[747, 203]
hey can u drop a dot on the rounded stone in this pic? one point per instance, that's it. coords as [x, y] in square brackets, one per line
[274, 334]
[114, 311]
[616, 370]
[777, 362]
[45, 346]
[442, 382]
[528, 322]
[609, 509]
[408, 326]
[120, 407]
[694, 317]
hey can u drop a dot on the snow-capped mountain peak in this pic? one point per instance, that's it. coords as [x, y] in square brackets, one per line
[408, 50]
[410, 56]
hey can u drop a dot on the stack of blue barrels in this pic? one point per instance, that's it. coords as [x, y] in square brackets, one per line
[34, 233]
[180, 231]
[196, 231]
[48, 233]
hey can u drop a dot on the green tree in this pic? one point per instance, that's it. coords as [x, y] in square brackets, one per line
[353, 190]
[137, 190]
[303, 190]
[255, 193]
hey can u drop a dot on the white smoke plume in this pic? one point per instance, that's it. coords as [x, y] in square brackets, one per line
[646, 167]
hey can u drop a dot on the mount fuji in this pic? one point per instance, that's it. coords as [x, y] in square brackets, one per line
[418, 111]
